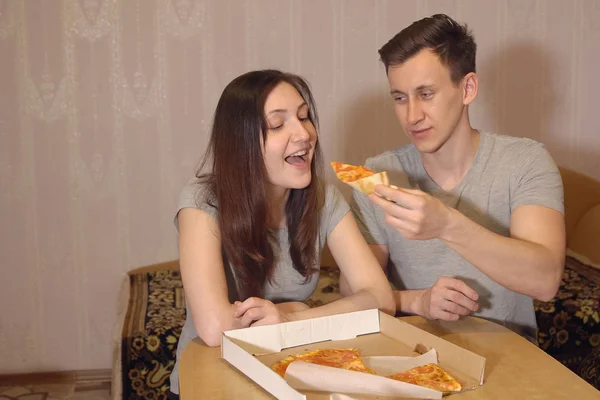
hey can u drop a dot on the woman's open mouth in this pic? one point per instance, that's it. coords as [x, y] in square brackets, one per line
[299, 159]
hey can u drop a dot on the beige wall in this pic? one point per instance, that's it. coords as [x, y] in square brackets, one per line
[105, 107]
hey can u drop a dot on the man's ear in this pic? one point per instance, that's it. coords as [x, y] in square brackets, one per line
[470, 87]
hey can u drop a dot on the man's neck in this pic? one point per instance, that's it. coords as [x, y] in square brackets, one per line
[448, 166]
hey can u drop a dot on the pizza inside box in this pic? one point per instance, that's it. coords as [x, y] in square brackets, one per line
[387, 346]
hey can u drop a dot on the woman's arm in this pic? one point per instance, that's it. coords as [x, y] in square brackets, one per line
[367, 284]
[203, 276]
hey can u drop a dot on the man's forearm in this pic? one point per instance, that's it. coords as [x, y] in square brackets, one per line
[518, 265]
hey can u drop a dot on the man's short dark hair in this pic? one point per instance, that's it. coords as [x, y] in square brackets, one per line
[452, 42]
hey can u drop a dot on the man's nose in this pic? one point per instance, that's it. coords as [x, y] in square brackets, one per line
[415, 112]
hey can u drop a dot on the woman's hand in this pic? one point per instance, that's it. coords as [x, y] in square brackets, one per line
[255, 311]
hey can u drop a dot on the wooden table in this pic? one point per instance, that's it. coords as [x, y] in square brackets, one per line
[515, 368]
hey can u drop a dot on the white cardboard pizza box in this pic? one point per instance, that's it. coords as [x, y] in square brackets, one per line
[381, 338]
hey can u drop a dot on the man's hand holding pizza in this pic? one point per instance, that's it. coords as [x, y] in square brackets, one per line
[417, 215]
[413, 213]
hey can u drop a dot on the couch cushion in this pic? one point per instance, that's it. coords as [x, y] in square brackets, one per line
[569, 324]
[586, 235]
[151, 330]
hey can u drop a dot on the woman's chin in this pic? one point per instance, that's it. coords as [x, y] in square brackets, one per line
[300, 183]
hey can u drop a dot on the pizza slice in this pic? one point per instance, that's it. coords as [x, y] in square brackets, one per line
[431, 376]
[336, 358]
[359, 177]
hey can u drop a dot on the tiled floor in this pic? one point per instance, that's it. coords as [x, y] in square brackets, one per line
[56, 391]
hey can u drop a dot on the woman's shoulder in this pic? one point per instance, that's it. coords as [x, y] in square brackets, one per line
[332, 194]
[197, 193]
[334, 209]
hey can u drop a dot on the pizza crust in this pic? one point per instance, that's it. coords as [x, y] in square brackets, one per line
[361, 178]
[367, 185]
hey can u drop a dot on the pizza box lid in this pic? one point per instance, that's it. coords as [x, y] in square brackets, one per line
[385, 343]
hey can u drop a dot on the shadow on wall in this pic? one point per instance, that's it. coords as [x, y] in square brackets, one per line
[525, 92]
[516, 92]
[371, 126]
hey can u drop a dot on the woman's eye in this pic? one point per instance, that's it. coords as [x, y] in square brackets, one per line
[275, 124]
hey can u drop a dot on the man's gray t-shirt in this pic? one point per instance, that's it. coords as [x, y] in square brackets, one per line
[287, 284]
[506, 173]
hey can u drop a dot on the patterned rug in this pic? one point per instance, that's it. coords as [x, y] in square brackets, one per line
[26, 393]
[56, 391]
[569, 325]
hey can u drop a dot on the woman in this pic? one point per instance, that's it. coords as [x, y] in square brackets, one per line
[252, 229]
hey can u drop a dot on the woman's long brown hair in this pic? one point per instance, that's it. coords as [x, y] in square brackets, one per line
[238, 182]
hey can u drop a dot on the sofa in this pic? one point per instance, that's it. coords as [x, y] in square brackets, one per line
[152, 306]
[569, 324]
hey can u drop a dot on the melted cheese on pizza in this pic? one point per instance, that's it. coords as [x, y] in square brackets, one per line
[350, 173]
[336, 358]
[431, 376]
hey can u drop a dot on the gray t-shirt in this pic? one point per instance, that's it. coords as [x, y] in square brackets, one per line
[506, 173]
[287, 284]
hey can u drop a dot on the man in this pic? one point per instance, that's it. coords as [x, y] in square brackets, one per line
[478, 226]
